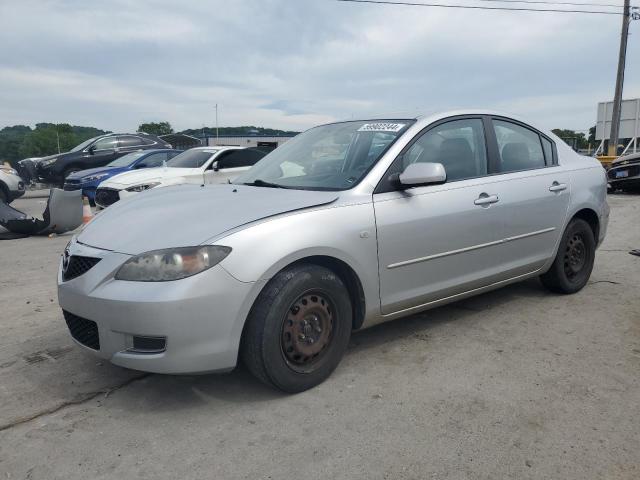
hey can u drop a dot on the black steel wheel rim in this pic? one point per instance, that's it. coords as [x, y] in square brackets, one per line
[575, 256]
[307, 330]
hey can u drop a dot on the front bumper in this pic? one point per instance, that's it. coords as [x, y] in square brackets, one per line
[201, 317]
[14, 184]
[631, 178]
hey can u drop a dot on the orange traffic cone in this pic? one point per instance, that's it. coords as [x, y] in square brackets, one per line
[87, 214]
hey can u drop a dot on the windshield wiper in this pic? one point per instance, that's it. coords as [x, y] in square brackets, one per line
[261, 183]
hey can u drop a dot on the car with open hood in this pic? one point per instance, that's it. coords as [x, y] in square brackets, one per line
[624, 173]
[345, 226]
[198, 166]
[88, 180]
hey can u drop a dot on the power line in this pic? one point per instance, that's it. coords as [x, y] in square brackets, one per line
[477, 7]
[577, 4]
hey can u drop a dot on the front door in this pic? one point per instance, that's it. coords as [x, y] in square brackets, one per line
[440, 240]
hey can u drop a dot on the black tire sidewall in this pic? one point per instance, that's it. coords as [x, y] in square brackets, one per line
[577, 226]
[289, 285]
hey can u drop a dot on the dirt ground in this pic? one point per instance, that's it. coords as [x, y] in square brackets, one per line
[517, 383]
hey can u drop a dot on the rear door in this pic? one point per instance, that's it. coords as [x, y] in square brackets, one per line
[534, 194]
[437, 241]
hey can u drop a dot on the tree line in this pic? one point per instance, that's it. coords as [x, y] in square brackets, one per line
[21, 141]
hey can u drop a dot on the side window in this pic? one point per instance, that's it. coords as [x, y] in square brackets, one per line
[458, 145]
[548, 150]
[519, 147]
[154, 160]
[130, 141]
[108, 143]
[239, 158]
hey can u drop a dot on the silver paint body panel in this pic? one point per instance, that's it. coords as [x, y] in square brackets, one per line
[411, 250]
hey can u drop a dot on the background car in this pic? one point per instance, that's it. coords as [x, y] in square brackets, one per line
[88, 180]
[200, 165]
[11, 185]
[346, 226]
[624, 173]
[95, 152]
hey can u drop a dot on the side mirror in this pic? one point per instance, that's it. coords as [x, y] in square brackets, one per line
[92, 149]
[215, 167]
[418, 174]
[140, 165]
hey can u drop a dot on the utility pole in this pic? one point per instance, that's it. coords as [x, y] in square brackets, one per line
[217, 124]
[617, 99]
[58, 138]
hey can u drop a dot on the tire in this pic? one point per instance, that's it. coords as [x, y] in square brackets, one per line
[298, 329]
[573, 264]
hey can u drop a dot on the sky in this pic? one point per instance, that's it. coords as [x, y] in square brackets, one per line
[293, 64]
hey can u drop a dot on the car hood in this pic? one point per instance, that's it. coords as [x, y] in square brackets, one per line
[187, 215]
[95, 171]
[137, 177]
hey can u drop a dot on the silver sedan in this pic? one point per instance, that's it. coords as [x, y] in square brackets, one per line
[347, 225]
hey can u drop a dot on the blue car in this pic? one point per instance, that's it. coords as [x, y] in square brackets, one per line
[88, 180]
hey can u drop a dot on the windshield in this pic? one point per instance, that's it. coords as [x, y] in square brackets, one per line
[127, 160]
[84, 144]
[329, 157]
[191, 159]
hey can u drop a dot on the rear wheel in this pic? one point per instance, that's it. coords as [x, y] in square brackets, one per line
[573, 264]
[298, 329]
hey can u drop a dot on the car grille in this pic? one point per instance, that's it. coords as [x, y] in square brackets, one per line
[632, 169]
[82, 330]
[75, 265]
[107, 196]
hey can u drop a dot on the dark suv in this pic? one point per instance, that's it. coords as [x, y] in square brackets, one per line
[95, 152]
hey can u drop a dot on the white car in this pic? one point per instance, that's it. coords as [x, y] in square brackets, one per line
[200, 166]
[11, 185]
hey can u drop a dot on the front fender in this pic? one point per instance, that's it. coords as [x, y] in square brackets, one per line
[346, 233]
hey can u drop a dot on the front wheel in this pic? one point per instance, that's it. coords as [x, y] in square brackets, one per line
[573, 264]
[298, 329]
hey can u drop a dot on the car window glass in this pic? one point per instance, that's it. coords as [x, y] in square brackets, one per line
[130, 141]
[548, 150]
[106, 143]
[458, 145]
[519, 148]
[239, 158]
[191, 158]
[329, 157]
[154, 160]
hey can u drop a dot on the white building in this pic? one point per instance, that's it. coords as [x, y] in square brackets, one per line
[252, 141]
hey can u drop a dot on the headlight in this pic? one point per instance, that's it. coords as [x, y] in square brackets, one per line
[46, 163]
[171, 263]
[92, 178]
[143, 187]
[10, 171]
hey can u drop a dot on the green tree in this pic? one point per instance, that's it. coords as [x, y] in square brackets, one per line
[45, 138]
[156, 128]
[569, 136]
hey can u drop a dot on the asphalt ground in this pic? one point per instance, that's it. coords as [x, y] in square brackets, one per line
[517, 383]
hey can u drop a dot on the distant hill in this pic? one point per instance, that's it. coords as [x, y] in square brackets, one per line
[244, 130]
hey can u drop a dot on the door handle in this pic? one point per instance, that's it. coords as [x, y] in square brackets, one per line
[557, 187]
[486, 199]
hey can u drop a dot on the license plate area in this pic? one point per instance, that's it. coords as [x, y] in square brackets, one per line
[622, 174]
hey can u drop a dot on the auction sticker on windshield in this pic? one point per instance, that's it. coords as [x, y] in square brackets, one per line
[381, 127]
